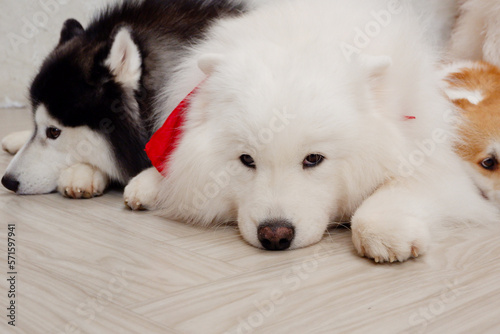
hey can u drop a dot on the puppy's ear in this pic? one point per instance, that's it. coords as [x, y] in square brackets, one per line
[460, 84]
[124, 59]
[208, 62]
[463, 95]
[71, 28]
[375, 65]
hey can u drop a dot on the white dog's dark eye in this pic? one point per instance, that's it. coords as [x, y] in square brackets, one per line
[52, 133]
[313, 160]
[490, 163]
[247, 161]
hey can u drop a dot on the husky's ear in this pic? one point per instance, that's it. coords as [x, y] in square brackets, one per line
[208, 62]
[375, 65]
[71, 28]
[124, 59]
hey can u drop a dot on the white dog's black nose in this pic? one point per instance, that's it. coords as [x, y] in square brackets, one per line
[10, 183]
[276, 235]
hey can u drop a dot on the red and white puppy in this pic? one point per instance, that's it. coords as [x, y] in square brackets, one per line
[474, 87]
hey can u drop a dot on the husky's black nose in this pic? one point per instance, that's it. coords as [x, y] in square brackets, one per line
[10, 183]
[276, 235]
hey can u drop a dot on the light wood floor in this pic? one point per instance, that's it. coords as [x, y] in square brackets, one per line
[92, 266]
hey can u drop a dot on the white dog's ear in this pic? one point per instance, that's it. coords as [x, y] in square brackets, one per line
[375, 65]
[124, 59]
[208, 62]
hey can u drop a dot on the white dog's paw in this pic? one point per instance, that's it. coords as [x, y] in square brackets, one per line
[388, 240]
[141, 191]
[13, 142]
[82, 181]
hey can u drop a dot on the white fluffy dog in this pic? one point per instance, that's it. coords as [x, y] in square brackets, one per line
[476, 35]
[310, 112]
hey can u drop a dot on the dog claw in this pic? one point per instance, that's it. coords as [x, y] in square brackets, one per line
[135, 207]
[377, 259]
[414, 252]
[81, 181]
[392, 259]
[362, 251]
[69, 193]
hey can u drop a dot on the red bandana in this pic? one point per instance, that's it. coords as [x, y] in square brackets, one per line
[165, 139]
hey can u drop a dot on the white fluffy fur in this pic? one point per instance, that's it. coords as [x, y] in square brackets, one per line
[283, 89]
[477, 32]
[439, 17]
[82, 181]
[15, 141]
[140, 193]
[124, 59]
[43, 164]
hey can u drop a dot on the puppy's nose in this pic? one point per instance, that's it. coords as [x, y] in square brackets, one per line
[10, 183]
[276, 235]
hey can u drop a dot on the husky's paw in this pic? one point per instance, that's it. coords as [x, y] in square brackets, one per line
[13, 142]
[82, 181]
[141, 191]
[386, 241]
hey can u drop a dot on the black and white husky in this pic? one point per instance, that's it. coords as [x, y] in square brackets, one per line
[94, 97]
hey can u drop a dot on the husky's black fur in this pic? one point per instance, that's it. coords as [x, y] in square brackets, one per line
[78, 89]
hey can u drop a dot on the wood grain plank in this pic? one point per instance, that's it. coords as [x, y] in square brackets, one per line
[91, 266]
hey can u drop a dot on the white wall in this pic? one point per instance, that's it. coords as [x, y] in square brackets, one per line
[29, 29]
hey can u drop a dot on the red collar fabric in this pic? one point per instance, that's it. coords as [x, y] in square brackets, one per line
[164, 141]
